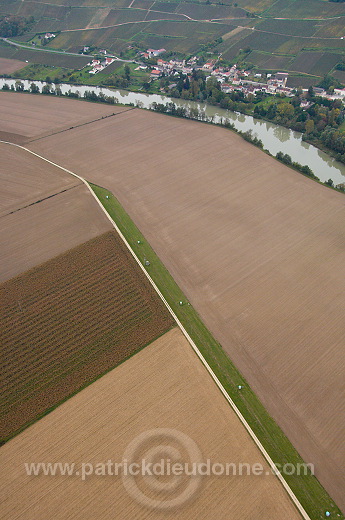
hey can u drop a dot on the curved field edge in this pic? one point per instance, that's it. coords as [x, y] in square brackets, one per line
[312, 496]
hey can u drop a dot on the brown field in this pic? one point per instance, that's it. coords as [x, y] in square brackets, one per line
[25, 179]
[41, 231]
[9, 66]
[69, 320]
[29, 118]
[162, 386]
[256, 247]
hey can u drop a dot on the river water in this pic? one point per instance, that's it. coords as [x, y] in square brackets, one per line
[275, 138]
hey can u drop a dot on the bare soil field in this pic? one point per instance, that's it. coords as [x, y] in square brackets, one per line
[256, 247]
[25, 179]
[9, 66]
[27, 115]
[48, 228]
[69, 320]
[163, 386]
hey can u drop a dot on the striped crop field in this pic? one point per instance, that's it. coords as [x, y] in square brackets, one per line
[68, 321]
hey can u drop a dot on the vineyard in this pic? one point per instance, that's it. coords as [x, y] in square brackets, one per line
[67, 322]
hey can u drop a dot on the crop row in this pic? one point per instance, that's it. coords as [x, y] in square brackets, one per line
[53, 335]
[111, 282]
[23, 386]
[70, 320]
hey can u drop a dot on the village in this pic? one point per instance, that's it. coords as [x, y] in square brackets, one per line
[231, 78]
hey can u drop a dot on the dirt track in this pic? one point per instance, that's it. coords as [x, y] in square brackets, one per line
[164, 385]
[257, 248]
[26, 179]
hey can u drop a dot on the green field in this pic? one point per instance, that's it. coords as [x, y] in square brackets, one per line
[42, 57]
[312, 496]
[38, 72]
[318, 63]
[313, 9]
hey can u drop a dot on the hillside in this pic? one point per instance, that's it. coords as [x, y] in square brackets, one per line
[302, 38]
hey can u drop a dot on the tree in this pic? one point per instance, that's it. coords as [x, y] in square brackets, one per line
[286, 110]
[34, 88]
[19, 86]
[14, 25]
[127, 72]
[309, 126]
[311, 94]
[46, 89]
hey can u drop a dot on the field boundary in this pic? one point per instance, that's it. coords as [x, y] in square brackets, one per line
[233, 405]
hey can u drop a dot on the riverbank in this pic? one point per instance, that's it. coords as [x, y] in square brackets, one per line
[275, 138]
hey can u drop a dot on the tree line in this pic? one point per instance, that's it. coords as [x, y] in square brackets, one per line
[318, 121]
[14, 25]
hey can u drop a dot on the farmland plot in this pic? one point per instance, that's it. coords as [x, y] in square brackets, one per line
[256, 247]
[69, 320]
[31, 121]
[290, 27]
[9, 66]
[163, 386]
[57, 223]
[306, 9]
[317, 63]
[44, 58]
[26, 179]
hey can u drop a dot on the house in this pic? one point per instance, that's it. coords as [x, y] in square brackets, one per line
[155, 73]
[305, 104]
[319, 91]
[226, 88]
[49, 35]
[339, 92]
[177, 64]
[155, 52]
[280, 78]
[108, 61]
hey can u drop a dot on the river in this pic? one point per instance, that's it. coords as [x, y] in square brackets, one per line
[275, 138]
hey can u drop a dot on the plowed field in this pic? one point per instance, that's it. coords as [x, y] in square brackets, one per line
[257, 248]
[41, 115]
